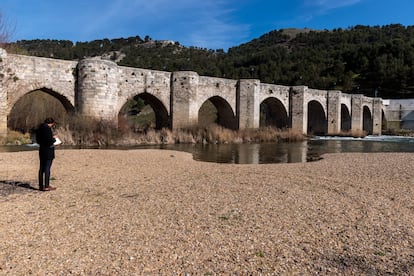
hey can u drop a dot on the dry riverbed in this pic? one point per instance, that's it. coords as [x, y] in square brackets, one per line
[158, 212]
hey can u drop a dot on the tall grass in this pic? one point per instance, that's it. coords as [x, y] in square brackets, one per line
[78, 130]
[399, 132]
[83, 131]
[212, 134]
[353, 133]
[16, 138]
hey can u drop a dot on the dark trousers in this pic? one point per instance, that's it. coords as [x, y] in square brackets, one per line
[44, 172]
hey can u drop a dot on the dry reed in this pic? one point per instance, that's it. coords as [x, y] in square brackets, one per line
[16, 138]
[212, 134]
[88, 132]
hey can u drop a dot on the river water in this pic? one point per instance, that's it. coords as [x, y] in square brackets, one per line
[309, 150]
[305, 151]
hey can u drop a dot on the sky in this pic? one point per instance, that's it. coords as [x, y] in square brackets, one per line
[211, 24]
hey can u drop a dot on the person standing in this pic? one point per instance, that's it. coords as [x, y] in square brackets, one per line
[46, 140]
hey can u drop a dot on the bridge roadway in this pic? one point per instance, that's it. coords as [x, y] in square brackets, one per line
[99, 88]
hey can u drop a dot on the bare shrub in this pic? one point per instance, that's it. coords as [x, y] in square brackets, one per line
[167, 136]
[65, 135]
[291, 135]
[181, 136]
[220, 135]
[271, 134]
[16, 138]
[90, 132]
[353, 133]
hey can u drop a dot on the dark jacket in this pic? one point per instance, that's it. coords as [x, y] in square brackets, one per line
[44, 137]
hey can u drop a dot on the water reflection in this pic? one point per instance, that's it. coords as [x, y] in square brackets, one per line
[252, 153]
[308, 150]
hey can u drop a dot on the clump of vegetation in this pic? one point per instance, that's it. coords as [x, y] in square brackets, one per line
[213, 134]
[136, 115]
[353, 133]
[399, 132]
[16, 138]
[85, 131]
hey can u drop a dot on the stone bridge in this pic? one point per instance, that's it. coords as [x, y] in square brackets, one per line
[99, 88]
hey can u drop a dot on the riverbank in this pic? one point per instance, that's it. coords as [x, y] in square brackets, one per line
[160, 212]
[92, 133]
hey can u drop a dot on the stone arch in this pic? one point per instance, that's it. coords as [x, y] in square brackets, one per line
[33, 110]
[317, 122]
[62, 99]
[345, 118]
[273, 113]
[225, 115]
[162, 119]
[367, 120]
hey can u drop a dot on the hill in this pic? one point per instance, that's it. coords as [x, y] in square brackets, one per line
[361, 59]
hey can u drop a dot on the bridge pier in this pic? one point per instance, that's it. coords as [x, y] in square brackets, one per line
[248, 105]
[184, 110]
[377, 116]
[298, 110]
[357, 113]
[97, 93]
[334, 112]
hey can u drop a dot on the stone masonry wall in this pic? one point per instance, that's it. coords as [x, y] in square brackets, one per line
[248, 104]
[334, 112]
[399, 113]
[184, 99]
[357, 116]
[26, 74]
[3, 94]
[134, 81]
[279, 92]
[299, 110]
[98, 83]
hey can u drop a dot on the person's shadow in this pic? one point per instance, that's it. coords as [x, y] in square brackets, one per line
[12, 186]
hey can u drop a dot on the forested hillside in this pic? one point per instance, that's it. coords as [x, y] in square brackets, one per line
[368, 60]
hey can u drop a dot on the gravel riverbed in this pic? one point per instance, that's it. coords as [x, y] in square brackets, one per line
[159, 212]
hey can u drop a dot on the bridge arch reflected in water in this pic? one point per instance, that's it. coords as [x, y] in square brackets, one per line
[252, 153]
[298, 152]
